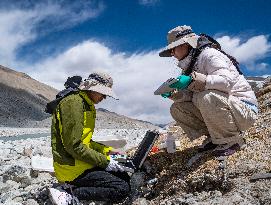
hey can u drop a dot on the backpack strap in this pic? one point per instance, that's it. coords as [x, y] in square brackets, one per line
[233, 60]
[205, 41]
[202, 43]
[51, 106]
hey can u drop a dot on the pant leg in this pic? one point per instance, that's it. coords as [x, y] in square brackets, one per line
[99, 185]
[217, 114]
[244, 116]
[189, 118]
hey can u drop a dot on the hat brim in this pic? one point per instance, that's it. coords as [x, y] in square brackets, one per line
[191, 40]
[103, 90]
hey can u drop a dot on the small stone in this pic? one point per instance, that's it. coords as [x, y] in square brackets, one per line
[27, 152]
[25, 181]
[18, 199]
[34, 173]
[141, 201]
[37, 151]
[31, 202]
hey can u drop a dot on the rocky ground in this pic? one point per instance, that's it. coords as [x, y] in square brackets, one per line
[18, 183]
[185, 177]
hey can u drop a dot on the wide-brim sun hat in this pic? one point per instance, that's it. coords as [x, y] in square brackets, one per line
[99, 82]
[178, 36]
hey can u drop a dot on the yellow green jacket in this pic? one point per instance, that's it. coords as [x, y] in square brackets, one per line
[72, 128]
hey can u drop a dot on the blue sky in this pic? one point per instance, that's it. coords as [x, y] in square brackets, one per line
[51, 40]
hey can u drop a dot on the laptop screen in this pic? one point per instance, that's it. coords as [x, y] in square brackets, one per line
[144, 148]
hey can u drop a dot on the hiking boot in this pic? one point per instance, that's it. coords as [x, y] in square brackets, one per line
[59, 196]
[206, 145]
[226, 149]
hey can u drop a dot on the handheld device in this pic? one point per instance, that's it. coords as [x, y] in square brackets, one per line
[164, 88]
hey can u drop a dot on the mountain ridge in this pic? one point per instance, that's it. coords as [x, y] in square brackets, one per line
[23, 100]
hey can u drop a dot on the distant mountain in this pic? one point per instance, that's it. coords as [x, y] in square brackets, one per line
[111, 120]
[255, 82]
[23, 99]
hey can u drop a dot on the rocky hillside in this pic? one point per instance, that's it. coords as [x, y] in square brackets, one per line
[256, 82]
[23, 99]
[111, 120]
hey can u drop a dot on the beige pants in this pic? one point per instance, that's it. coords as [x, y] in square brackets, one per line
[213, 113]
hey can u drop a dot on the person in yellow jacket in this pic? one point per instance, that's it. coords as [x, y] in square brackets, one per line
[78, 160]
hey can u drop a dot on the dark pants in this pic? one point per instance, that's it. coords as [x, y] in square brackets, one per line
[99, 185]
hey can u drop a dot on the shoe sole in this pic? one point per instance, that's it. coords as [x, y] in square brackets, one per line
[204, 149]
[227, 152]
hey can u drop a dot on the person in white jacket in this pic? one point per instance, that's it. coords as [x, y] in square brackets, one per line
[212, 97]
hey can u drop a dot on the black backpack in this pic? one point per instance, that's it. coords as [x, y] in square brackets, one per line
[207, 41]
[71, 86]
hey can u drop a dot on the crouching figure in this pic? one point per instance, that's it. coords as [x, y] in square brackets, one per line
[211, 97]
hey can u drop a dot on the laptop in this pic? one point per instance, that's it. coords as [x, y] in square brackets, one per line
[136, 161]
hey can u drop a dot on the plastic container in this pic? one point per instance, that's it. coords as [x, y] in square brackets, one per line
[170, 142]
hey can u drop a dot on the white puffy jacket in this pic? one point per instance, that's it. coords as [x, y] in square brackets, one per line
[222, 75]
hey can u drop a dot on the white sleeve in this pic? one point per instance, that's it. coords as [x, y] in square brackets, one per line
[219, 75]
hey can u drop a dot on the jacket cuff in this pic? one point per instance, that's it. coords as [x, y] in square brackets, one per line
[106, 151]
[198, 82]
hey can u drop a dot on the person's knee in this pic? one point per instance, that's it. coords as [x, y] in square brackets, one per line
[121, 192]
[173, 109]
[180, 110]
[207, 99]
[125, 189]
[176, 111]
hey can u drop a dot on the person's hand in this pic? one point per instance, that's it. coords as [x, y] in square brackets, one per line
[166, 95]
[199, 82]
[182, 83]
[114, 166]
[182, 95]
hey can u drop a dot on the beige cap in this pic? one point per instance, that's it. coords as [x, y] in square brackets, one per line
[99, 82]
[178, 36]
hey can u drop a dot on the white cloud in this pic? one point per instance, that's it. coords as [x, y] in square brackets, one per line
[13, 33]
[248, 53]
[265, 76]
[19, 25]
[135, 77]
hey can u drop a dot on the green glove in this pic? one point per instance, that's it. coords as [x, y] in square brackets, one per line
[182, 83]
[166, 95]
